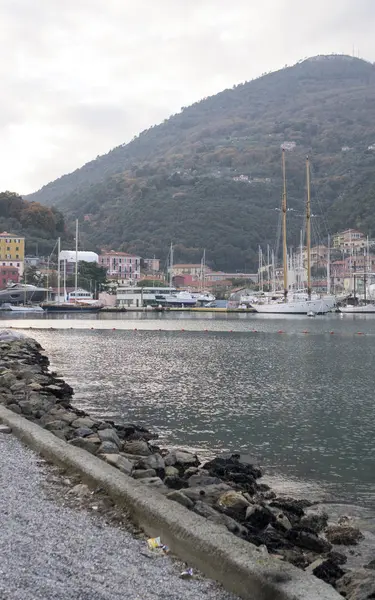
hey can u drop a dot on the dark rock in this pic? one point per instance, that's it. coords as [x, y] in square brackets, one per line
[26, 407]
[142, 473]
[139, 447]
[295, 557]
[175, 482]
[273, 539]
[337, 557]
[308, 540]
[233, 504]
[357, 585]
[82, 432]
[233, 470]
[259, 517]
[130, 431]
[343, 535]
[108, 448]
[85, 444]
[221, 519]
[290, 505]
[328, 571]
[171, 472]
[317, 521]
[153, 482]
[370, 565]
[83, 422]
[181, 498]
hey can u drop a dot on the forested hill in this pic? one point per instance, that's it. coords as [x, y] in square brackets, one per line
[210, 176]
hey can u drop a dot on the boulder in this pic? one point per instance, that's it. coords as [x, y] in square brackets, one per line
[370, 565]
[328, 571]
[15, 408]
[202, 479]
[343, 535]
[219, 518]
[233, 503]
[120, 462]
[110, 435]
[108, 448]
[154, 461]
[231, 469]
[153, 482]
[308, 540]
[210, 494]
[59, 434]
[281, 520]
[5, 429]
[139, 447]
[315, 520]
[290, 505]
[175, 482]
[259, 516]
[143, 473]
[357, 585]
[171, 472]
[181, 458]
[181, 498]
[55, 425]
[82, 432]
[85, 444]
[26, 407]
[84, 422]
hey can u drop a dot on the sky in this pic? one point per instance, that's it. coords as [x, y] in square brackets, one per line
[79, 77]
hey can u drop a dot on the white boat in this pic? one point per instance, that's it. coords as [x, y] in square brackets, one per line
[297, 304]
[360, 309]
[20, 308]
[180, 299]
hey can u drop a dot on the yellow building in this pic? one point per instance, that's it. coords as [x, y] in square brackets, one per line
[12, 251]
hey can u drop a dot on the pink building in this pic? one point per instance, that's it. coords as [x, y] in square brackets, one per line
[120, 265]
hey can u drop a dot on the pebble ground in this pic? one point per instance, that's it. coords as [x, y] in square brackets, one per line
[53, 552]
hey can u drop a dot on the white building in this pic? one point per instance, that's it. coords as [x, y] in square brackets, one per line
[70, 256]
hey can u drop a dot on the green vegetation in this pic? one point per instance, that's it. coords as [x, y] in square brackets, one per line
[39, 224]
[179, 181]
[151, 283]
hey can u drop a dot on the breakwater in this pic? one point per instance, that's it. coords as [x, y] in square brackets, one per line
[226, 490]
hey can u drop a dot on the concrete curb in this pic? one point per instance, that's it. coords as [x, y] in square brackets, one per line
[238, 565]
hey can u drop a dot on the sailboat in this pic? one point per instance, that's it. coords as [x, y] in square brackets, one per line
[79, 300]
[295, 305]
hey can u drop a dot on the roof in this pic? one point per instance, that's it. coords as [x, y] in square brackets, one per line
[348, 231]
[70, 256]
[7, 234]
[113, 253]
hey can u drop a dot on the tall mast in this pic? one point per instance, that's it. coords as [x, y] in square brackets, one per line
[76, 271]
[204, 270]
[285, 250]
[58, 270]
[308, 229]
[171, 266]
[329, 266]
[273, 272]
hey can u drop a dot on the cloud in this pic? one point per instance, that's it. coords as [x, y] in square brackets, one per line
[82, 76]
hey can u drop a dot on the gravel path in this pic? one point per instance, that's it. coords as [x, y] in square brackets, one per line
[52, 552]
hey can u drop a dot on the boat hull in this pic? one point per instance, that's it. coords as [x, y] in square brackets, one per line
[71, 309]
[318, 307]
[358, 310]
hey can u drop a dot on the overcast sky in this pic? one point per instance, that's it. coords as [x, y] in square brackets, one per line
[79, 77]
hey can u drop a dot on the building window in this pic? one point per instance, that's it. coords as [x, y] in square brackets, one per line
[17, 248]
[17, 255]
[8, 248]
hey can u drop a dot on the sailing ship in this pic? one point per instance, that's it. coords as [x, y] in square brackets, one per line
[294, 304]
[78, 301]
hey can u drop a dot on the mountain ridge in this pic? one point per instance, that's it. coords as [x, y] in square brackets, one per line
[185, 179]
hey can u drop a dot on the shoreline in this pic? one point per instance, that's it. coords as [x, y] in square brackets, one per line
[225, 490]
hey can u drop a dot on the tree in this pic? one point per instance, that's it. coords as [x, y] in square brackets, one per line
[151, 283]
[33, 276]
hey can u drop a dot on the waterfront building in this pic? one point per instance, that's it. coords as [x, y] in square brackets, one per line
[69, 256]
[12, 251]
[152, 265]
[121, 265]
[348, 240]
[134, 297]
[8, 276]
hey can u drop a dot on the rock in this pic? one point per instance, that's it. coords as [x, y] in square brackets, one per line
[337, 557]
[328, 571]
[181, 458]
[154, 461]
[291, 505]
[152, 482]
[143, 473]
[84, 422]
[200, 480]
[15, 408]
[357, 585]
[109, 435]
[59, 434]
[281, 520]
[139, 447]
[317, 520]
[190, 471]
[82, 432]
[233, 503]
[85, 444]
[308, 540]
[67, 416]
[295, 557]
[231, 469]
[55, 426]
[171, 472]
[120, 462]
[175, 482]
[370, 565]
[219, 518]
[108, 448]
[5, 429]
[26, 407]
[210, 494]
[181, 498]
[81, 490]
[259, 517]
[343, 535]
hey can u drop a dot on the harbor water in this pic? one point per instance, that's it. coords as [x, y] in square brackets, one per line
[297, 394]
